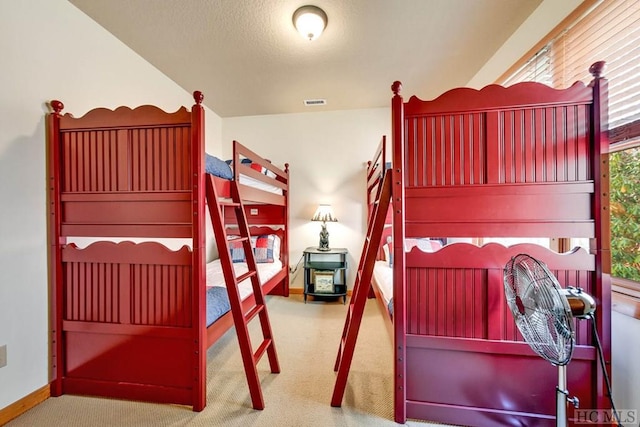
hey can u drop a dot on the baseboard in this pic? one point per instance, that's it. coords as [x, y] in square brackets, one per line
[23, 405]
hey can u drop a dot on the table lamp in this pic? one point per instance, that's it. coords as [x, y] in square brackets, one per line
[324, 213]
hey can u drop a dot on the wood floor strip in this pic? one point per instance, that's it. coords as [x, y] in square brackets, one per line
[23, 405]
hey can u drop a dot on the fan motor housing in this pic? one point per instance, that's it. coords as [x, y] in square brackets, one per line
[582, 304]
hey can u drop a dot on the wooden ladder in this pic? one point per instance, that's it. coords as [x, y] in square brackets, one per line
[361, 289]
[241, 319]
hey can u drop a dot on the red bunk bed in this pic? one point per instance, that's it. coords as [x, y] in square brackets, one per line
[129, 319]
[523, 161]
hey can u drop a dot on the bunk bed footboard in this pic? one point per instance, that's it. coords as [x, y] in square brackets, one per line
[467, 361]
[127, 322]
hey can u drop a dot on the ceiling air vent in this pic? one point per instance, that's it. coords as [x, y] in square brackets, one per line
[314, 102]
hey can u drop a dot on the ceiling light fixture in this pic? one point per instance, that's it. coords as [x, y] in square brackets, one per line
[310, 21]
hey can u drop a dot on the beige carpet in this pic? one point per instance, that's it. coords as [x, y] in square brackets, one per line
[307, 337]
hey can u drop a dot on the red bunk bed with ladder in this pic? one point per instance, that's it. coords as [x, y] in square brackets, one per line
[128, 320]
[519, 161]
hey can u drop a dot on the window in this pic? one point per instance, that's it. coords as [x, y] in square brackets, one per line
[625, 213]
[606, 30]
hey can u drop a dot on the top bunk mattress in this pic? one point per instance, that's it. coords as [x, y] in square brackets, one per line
[222, 169]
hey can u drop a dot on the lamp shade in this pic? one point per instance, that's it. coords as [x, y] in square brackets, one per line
[324, 213]
[310, 21]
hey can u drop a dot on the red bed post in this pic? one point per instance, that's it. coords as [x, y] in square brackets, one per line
[55, 244]
[599, 119]
[399, 271]
[285, 237]
[198, 254]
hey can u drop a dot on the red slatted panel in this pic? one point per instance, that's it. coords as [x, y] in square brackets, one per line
[161, 295]
[120, 182]
[449, 150]
[150, 159]
[165, 150]
[446, 302]
[446, 299]
[456, 302]
[110, 288]
[445, 150]
[89, 161]
[92, 292]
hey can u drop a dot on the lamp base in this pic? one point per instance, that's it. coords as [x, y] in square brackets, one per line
[323, 244]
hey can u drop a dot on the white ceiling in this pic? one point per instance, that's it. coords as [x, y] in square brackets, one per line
[247, 58]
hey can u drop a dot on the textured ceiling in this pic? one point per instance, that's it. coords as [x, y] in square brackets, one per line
[247, 58]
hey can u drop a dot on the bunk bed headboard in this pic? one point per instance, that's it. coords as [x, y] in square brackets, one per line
[138, 308]
[519, 161]
[268, 208]
[528, 143]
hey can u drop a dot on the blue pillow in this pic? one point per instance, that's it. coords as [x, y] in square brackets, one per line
[217, 167]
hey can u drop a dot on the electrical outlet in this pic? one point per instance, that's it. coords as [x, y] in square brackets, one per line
[3, 355]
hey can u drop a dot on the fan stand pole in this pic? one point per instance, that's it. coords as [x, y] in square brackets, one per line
[561, 397]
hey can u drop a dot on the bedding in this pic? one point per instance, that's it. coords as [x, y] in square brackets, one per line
[217, 167]
[383, 269]
[222, 169]
[217, 297]
[252, 182]
[383, 278]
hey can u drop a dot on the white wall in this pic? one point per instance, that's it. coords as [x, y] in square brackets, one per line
[540, 23]
[51, 50]
[626, 369]
[327, 153]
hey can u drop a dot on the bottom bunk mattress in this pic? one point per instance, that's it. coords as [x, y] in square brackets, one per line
[217, 297]
[383, 280]
[383, 269]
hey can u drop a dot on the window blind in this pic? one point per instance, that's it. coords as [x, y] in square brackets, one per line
[608, 31]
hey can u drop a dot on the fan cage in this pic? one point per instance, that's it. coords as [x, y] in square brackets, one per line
[541, 313]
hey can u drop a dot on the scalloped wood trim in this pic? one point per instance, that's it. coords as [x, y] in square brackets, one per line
[524, 95]
[23, 405]
[144, 116]
[495, 255]
[127, 252]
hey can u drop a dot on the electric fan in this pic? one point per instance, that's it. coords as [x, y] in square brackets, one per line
[544, 312]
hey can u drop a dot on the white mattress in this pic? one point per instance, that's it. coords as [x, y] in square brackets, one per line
[266, 271]
[383, 275]
[252, 182]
